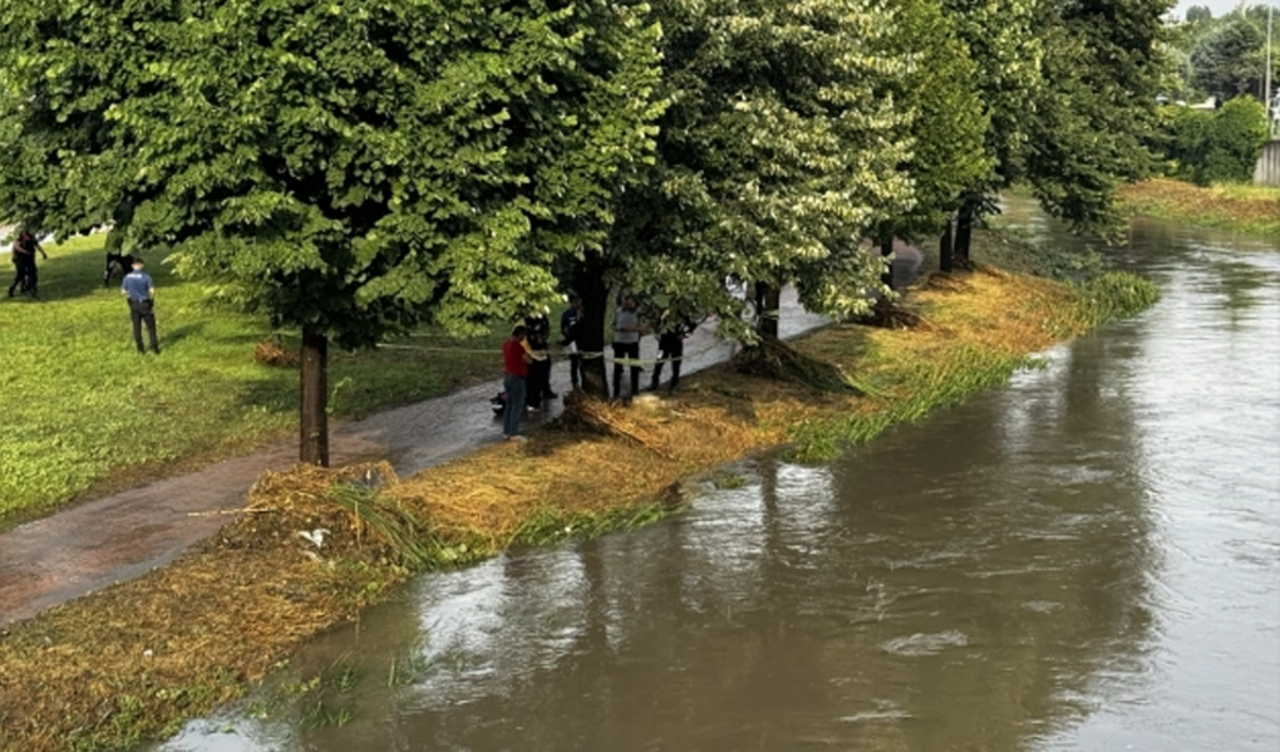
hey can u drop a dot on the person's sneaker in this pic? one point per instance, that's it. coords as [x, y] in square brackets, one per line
[516, 438]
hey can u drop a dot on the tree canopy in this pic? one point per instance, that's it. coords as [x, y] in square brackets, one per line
[350, 168]
[1228, 61]
[354, 168]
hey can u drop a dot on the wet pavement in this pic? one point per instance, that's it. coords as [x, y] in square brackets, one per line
[52, 560]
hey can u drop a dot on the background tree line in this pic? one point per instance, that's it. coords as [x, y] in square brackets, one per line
[1222, 57]
[353, 169]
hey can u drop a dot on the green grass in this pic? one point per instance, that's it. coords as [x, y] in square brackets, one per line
[85, 414]
[1241, 208]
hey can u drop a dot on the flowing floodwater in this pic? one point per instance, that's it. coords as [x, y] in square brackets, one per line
[1088, 559]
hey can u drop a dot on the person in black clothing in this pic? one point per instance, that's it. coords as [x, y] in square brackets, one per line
[569, 338]
[539, 336]
[671, 348]
[24, 263]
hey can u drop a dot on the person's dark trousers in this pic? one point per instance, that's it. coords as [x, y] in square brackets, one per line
[29, 284]
[575, 369]
[629, 351]
[143, 311]
[539, 382]
[672, 350]
[515, 388]
[24, 276]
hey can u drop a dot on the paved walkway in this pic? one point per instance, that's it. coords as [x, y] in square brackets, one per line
[87, 547]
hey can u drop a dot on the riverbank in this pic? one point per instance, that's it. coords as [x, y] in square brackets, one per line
[1252, 210]
[135, 660]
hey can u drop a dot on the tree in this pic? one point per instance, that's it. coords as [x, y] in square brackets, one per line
[949, 123]
[1198, 14]
[1003, 42]
[347, 168]
[1228, 61]
[1096, 114]
[1221, 146]
[774, 157]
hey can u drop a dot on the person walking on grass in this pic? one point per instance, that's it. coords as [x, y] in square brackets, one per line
[626, 345]
[515, 363]
[24, 263]
[140, 291]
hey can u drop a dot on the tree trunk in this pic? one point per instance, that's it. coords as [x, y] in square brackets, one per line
[946, 260]
[589, 284]
[768, 305]
[314, 439]
[886, 250]
[964, 232]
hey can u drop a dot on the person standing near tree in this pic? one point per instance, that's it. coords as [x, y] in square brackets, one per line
[626, 345]
[140, 291]
[515, 364]
[671, 348]
[569, 338]
[24, 262]
[539, 380]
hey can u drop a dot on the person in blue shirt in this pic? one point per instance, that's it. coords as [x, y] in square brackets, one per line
[141, 291]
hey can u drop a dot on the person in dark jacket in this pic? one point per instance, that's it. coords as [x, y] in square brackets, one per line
[24, 252]
[671, 348]
[569, 321]
[539, 337]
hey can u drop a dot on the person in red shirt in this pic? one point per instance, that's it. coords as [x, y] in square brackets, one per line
[515, 362]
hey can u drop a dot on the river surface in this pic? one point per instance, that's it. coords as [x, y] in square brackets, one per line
[1087, 559]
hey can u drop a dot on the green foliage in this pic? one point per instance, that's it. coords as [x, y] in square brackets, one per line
[774, 155]
[1096, 113]
[949, 122]
[1004, 42]
[348, 166]
[1228, 60]
[1217, 146]
[1116, 295]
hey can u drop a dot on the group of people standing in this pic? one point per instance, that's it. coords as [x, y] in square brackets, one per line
[137, 287]
[527, 361]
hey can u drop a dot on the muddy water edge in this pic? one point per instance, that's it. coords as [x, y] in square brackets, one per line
[1086, 559]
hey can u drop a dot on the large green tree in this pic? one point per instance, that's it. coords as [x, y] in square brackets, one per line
[949, 124]
[778, 151]
[1005, 45]
[347, 167]
[1096, 112]
[1228, 61]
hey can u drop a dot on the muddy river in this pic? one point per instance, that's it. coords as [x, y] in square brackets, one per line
[1087, 559]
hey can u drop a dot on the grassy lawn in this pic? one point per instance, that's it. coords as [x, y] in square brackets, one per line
[1248, 209]
[85, 414]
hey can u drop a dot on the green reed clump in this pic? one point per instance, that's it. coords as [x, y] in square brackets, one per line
[1108, 297]
[920, 387]
[548, 525]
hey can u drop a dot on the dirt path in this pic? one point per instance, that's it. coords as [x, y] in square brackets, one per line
[56, 559]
